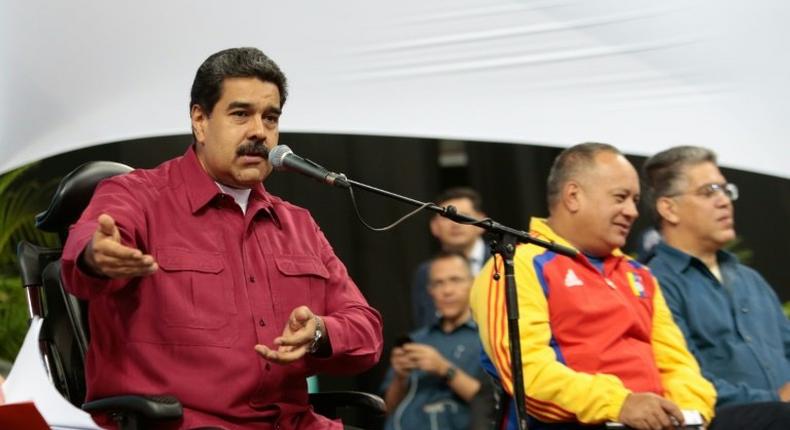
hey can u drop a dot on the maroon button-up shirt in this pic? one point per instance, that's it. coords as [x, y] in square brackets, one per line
[226, 282]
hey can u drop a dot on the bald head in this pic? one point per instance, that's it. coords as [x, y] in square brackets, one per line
[594, 202]
[572, 164]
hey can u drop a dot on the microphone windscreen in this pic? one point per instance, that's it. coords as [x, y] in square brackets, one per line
[277, 155]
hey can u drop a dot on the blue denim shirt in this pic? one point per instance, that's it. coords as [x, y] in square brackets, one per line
[735, 328]
[430, 403]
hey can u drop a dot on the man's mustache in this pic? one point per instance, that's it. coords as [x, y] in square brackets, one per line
[256, 148]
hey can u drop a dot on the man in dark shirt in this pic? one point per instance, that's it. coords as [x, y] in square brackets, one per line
[437, 372]
[192, 267]
[730, 316]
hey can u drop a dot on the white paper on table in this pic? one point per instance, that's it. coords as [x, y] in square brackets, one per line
[28, 381]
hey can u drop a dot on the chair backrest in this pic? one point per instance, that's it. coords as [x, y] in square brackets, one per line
[64, 333]
[74, 193]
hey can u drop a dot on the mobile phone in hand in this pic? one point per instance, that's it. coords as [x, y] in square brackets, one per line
[402, 340]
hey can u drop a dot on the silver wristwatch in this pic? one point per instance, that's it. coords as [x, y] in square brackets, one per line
[451, 371]
[318, 336]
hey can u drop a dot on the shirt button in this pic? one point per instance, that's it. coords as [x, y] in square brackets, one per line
[262, 323]
[252, 279]
[748, 338]
[744, 309]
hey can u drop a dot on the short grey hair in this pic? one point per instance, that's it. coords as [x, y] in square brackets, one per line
[664, 171]
[570, 163]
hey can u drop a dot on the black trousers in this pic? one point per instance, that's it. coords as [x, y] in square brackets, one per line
[753, 416]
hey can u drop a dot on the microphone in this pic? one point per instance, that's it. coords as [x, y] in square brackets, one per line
[282, 158]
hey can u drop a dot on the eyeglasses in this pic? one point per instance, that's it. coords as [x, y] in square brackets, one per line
[709, 191]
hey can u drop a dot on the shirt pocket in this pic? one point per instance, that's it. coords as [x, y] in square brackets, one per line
[300, 280]
[195, 290]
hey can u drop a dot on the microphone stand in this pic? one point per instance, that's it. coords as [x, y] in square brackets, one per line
[502, 240]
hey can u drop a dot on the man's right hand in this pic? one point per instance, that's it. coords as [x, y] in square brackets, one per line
[401, 362]
[106, 256]
[648, 411]
[784, 392]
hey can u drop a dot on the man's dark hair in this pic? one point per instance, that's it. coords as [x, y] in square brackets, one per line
[461, 193]
[446, 254]
[569, 164]
[664, 172]
[233, 63]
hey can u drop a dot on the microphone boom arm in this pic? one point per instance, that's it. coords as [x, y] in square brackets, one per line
[450, 212]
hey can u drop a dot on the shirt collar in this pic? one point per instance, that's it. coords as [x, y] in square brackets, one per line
[201, 189]
[437, 324]
[478, 252]
[675, 258]
[679, 260]
[240, 195]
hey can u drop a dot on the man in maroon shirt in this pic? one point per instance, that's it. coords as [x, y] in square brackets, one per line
[203, 285]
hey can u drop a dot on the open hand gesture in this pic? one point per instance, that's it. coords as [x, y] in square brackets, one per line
[295, 340]
[107, 256]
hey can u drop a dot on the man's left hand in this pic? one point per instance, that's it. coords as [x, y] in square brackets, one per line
[295, 340]
[427, 358]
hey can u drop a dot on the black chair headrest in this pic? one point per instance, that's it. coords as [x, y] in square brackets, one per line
[32, 260]
[74, 192]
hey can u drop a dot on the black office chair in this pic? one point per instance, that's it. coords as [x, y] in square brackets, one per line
[64, 334]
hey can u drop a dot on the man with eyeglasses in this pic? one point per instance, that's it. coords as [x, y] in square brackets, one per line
[730, 316]
[436, 370]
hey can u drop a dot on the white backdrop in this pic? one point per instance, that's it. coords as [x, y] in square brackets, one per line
[641, 74]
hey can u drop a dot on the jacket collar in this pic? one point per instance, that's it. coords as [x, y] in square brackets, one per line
[540, 227]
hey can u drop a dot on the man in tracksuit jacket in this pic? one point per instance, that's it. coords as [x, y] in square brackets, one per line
[598, 343]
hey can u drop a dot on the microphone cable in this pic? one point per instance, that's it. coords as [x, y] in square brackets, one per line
[388, 227]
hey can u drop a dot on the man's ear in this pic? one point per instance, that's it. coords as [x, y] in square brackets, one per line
[667, 208]
[571, 196]
[434, 225]
[199, 120]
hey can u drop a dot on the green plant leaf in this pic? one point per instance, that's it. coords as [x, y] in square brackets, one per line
[20, 199]
[13, 316]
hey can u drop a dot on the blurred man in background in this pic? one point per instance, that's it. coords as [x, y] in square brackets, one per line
[436, 371]
[452, 236]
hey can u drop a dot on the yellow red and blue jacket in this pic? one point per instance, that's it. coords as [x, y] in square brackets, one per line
[588, 337]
